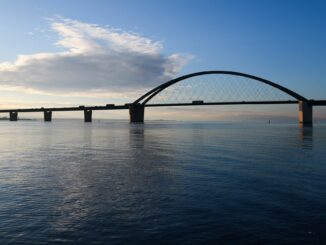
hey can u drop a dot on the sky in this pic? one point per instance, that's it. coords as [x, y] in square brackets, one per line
[68, 53]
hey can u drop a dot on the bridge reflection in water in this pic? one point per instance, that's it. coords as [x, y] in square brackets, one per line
[199, 89]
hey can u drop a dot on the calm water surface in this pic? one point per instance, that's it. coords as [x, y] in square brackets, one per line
[161, 183]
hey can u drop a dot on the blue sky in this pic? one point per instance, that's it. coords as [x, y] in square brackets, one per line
[283, 41]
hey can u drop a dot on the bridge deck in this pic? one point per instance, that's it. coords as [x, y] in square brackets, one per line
[227, 103]
[126, 106]
[118, 107]
[319, 102]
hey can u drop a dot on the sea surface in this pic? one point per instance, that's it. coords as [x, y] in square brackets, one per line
[109, 182]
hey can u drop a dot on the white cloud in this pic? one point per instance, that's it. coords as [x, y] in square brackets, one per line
[94, 61]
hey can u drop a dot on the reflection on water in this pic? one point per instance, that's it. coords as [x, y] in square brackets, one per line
[111, 182]
[307, 137]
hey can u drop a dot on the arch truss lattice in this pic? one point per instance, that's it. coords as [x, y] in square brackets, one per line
[218, 87]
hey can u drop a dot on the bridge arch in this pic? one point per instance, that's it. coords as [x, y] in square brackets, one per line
[136, 109]
[144, 99]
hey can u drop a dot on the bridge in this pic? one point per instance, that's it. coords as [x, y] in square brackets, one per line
[199, 89]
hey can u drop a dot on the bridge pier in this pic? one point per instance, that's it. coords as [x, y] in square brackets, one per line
[88, 115]
[305, 113]
[136, 113]
[47, 116]
[13, 116]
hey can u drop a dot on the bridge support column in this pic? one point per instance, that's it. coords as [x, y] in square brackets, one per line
[47, 116]
[305, 113]
[136, 113]
[13, 116]
[88, 115]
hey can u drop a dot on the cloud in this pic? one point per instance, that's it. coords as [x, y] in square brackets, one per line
[94, 61]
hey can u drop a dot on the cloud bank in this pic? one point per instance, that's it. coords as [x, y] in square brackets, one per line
[94, 61]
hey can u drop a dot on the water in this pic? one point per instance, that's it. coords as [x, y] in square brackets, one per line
[166, 183]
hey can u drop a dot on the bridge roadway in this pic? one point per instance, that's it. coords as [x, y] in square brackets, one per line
[78, 108]
[88, 109]
[126, 106]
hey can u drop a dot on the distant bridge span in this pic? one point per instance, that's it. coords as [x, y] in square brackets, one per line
[199, 89]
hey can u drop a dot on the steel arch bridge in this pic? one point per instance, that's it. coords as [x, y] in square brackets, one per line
[222, 88]
[199, 89]
[227, 76]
